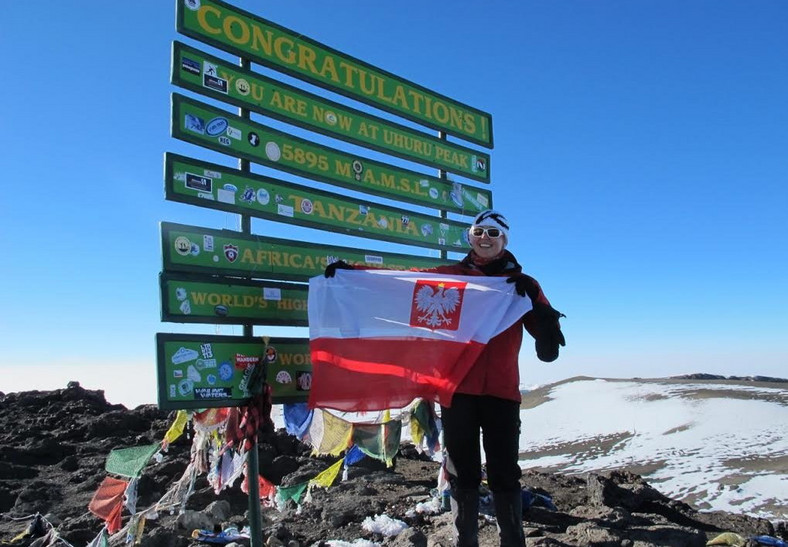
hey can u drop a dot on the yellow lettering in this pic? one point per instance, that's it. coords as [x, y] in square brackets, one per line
[227, 76]
[306, 58]
[276, 100]
[410, 227]
[386, 180]
[470, 123]
[234, 22]
[257, 92]
[417, 100]
[370, 220]
[342, 168]
[297, 359]
[283, 48]
[295, 261]
[344, 121]
[335, 213]
[297, 107]
[440, 112]
[329, 68]
[399, 97]
[319, 209]
[297, 200]
[456, 117]
[368, 130]
[349, 71]
[262, 38]
[202, 19]
[367, 88]
[247, 256]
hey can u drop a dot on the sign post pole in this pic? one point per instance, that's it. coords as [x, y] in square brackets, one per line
[443, 175]
[253, 461]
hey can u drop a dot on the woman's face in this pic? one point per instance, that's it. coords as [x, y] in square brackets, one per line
[485, 246]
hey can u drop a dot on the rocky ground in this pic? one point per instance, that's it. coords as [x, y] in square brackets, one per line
[53, 448]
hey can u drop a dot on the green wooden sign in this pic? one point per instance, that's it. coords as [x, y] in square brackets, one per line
[226, 252]
[214, 186]
[249, 36]
[217, 129]
[222, 80]
[204, 299]
[209, 371]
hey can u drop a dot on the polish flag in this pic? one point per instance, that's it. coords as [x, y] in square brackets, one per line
[381, 338]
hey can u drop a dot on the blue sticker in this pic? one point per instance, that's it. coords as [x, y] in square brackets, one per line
[248, 195]
[216, 126]
[190, 66]
[225, 371]
[194, 123]
[211, 379]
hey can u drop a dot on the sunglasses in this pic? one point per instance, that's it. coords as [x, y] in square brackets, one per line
[492, 233]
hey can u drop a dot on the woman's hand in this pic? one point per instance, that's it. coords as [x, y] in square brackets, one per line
[525, 284]
[331, 269]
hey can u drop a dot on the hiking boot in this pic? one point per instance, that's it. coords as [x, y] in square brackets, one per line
[465, 513]
[509, 514]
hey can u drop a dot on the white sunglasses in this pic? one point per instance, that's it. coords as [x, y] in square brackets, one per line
[492, 233]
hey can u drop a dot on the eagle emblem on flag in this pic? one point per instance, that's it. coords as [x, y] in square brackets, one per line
[437, 304]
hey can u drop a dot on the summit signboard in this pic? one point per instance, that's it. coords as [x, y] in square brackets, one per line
[227, 82]
[261, 41]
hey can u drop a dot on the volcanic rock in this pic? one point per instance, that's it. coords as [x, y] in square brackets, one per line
[53, 448]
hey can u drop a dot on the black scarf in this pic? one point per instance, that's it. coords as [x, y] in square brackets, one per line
[505, 264]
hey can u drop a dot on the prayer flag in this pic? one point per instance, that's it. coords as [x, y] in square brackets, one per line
[326, 478]
[107, 502]
[129, 462]
[379, 441]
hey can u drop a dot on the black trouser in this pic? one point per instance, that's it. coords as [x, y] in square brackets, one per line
[499, 422]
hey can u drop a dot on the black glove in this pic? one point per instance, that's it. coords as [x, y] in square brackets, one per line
[525, 284]
[332, 268]
[549, 336]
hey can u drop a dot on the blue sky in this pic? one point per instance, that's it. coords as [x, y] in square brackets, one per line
[640, 154]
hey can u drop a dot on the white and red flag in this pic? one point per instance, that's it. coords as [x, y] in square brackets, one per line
[381, 338]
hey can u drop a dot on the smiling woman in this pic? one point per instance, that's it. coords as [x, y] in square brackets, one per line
[489, 235]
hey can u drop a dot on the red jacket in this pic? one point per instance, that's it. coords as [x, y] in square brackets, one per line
[496, 371]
